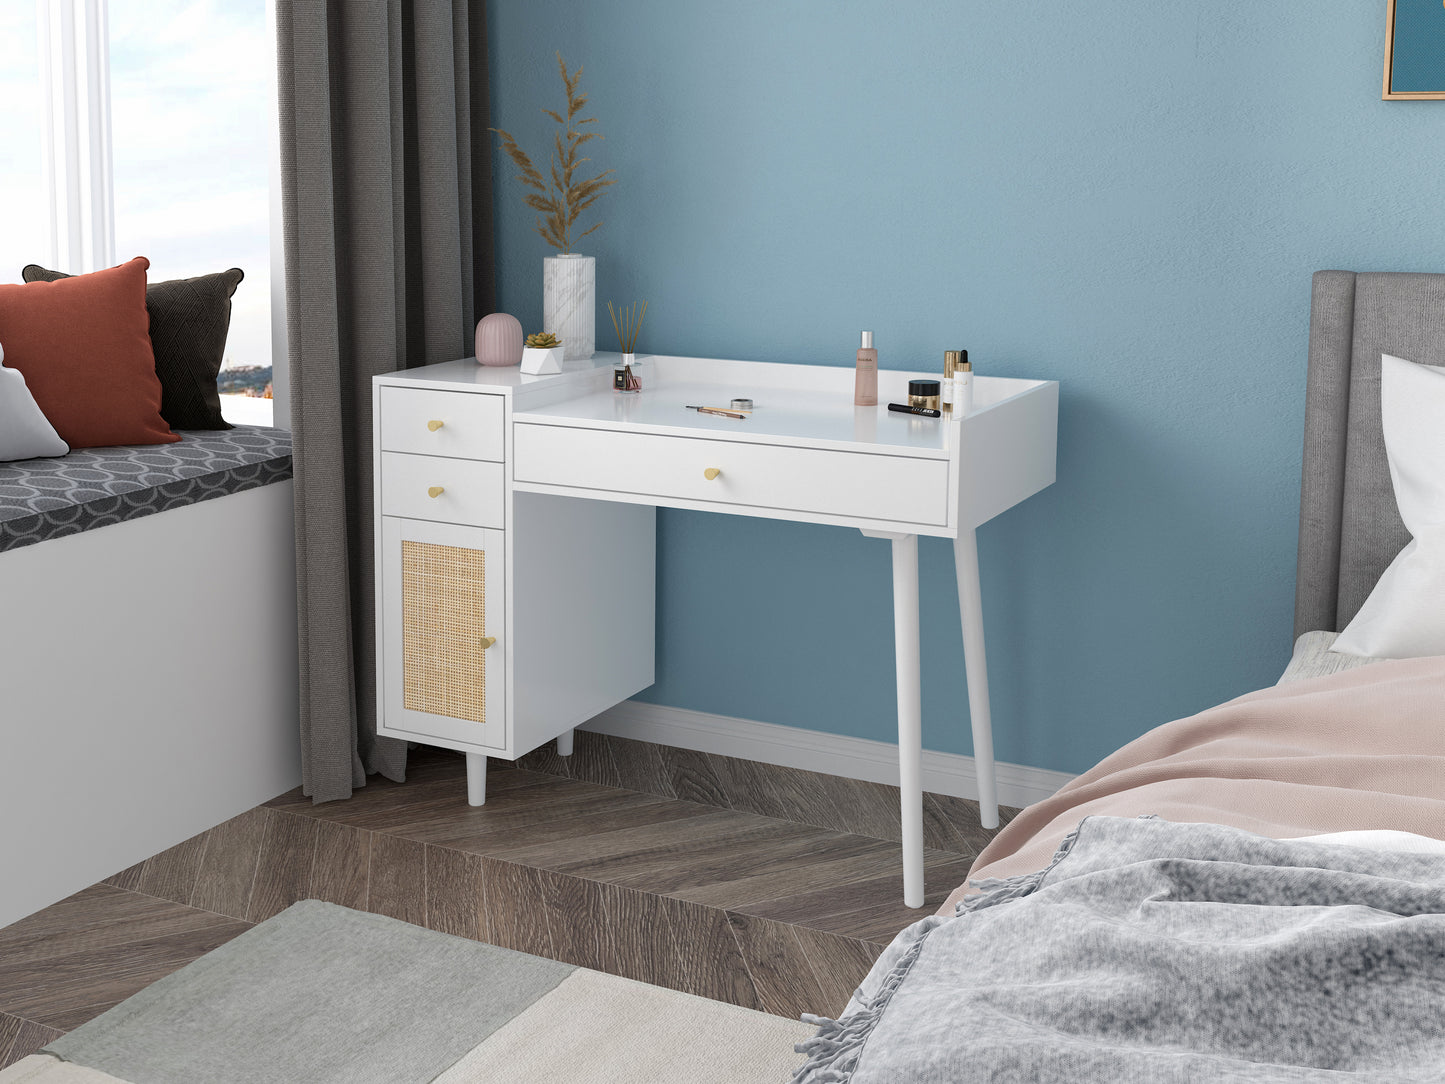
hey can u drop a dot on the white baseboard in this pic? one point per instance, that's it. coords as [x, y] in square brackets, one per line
[814, 751]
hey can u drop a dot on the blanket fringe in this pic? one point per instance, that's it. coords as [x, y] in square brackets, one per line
[834, 1052]
[994, 890]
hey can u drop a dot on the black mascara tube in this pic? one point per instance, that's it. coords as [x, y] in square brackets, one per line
[922, 412]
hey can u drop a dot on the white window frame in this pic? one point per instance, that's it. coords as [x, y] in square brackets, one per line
[79, 173]
[74, 53]
[280, 343]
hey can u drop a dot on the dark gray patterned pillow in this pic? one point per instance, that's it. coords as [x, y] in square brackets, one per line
[189, 321]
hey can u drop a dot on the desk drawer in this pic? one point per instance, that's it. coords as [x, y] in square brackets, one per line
[471, 423]
[854, 484]
[471, 493]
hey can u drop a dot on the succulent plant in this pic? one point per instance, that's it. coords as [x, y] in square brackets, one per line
[543, 340]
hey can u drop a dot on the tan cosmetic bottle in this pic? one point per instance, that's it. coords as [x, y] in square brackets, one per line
[865, 380]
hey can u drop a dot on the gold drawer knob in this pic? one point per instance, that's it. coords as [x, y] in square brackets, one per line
[711, 473]
[487, 641]
[435, 491]
[435, 424]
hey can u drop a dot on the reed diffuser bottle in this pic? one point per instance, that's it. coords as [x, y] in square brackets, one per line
[627, 374]
[865, 377]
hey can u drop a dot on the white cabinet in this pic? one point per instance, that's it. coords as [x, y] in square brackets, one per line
[503, 619]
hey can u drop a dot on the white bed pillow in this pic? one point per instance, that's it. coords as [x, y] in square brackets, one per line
[1380, 839]
[24, 431]
[1404, 617]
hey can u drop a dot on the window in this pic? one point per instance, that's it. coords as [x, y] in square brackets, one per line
[25, 230]
[164, 115]
[190, 114]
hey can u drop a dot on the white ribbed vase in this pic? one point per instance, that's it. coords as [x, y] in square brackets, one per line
[569, 303]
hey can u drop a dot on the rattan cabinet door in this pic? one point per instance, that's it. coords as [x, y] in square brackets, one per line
[443, 642]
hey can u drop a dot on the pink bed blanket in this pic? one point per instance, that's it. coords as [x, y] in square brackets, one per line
[1355, 750]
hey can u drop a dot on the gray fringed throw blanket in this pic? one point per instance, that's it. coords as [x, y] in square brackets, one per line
[1154, 952]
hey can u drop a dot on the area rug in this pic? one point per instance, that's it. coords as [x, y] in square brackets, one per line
[322, 993]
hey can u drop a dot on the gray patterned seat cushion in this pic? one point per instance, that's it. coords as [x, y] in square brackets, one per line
[47, 498]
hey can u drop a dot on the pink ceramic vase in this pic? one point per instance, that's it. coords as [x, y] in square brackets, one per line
[499, 340]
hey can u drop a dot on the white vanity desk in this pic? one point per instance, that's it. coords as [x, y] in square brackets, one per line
[516, 543]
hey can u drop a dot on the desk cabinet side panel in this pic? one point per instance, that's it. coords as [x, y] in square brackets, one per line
[1009, 453]
[583, 610]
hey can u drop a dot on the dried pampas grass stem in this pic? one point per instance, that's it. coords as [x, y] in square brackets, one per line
[559, 199]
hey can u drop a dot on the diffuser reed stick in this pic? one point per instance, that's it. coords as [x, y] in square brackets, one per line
[629, 324]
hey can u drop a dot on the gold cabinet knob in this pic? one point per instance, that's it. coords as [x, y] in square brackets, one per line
[435, 491]
[435, 424]
[711, 473]
[487, 641]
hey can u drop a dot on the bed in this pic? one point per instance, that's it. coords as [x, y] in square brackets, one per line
[147, 655]
[1254, 893]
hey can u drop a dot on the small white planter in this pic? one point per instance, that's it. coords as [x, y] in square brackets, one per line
[537, 360]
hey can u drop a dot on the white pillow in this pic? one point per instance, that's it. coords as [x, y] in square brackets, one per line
[24, 431]
[1404, 617]
[1380, 839]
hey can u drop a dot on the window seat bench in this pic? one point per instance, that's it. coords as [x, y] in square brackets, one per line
[42, 499]
[148, 679]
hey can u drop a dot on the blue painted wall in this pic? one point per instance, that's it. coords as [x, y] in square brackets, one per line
[1128, 198]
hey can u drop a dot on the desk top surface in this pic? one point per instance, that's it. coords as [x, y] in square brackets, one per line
[808, 405]
[779, 416]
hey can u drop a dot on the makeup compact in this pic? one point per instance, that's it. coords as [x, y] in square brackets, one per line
[924, 393]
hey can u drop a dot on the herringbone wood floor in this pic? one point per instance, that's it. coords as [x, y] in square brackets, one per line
[763, 886]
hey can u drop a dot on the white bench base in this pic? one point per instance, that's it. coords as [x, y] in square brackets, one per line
[148, 688]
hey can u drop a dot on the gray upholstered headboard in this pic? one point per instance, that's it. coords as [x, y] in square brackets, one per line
[1350, 528]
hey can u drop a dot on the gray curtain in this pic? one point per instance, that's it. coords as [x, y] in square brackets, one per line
[387, 198]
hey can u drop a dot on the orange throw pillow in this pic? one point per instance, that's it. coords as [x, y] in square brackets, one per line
[84, 346]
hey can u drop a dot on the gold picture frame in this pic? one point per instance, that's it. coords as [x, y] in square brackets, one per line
[1405, 67]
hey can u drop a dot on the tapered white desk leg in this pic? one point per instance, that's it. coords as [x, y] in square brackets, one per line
[476, 778]
[910, 713]
[975, 666]
[564, 744]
